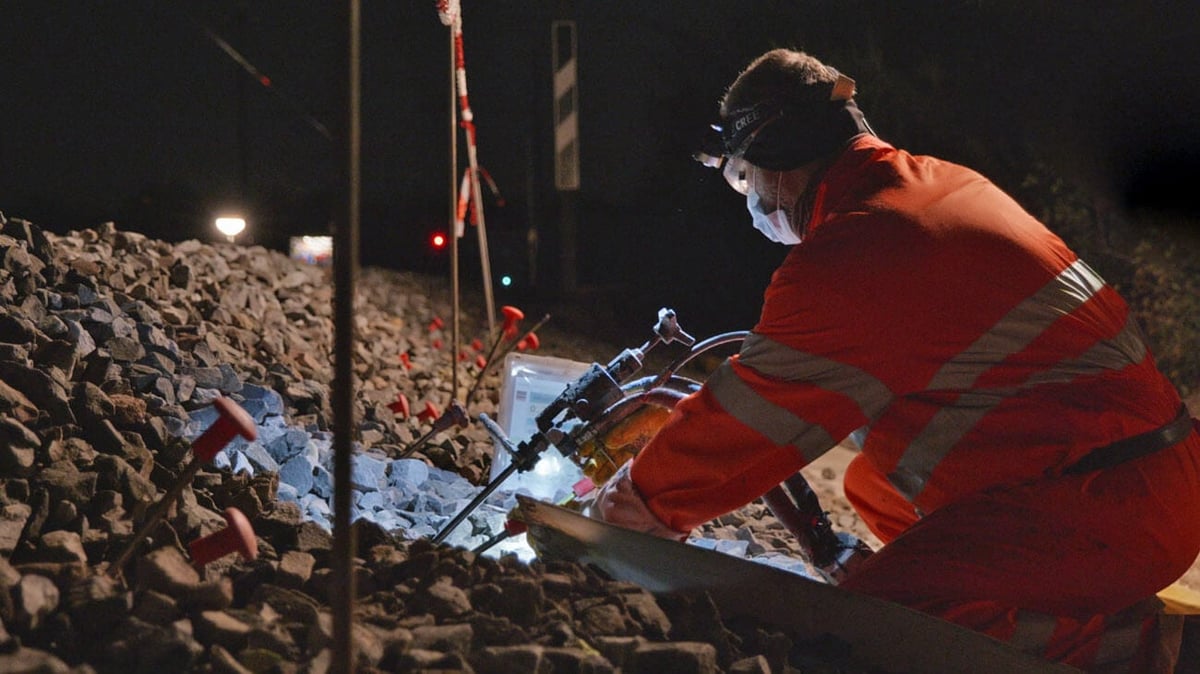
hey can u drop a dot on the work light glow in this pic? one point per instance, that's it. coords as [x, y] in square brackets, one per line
[231, 226]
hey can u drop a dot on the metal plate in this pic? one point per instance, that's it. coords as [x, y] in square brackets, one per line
[881, 635]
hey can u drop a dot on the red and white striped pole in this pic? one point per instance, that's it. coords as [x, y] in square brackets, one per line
[464, 197]
[464, 200]
[450, 14]
[468, 124]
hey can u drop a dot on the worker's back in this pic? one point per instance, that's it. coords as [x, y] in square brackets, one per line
[999, 356]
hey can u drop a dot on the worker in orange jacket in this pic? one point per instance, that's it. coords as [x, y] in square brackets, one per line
[1032, 474]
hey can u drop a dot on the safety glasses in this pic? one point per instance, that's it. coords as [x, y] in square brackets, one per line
[739, 174]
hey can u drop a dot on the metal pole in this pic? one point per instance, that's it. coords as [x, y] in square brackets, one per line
[345, 271]
[243, 118]
[454, 291]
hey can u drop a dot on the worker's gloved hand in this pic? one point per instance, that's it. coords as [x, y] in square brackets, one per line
[618, 502]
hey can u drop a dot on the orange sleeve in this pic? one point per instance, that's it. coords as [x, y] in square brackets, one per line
[704, 463]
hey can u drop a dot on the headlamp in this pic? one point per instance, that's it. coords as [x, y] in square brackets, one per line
[725, 145]
[712, 148]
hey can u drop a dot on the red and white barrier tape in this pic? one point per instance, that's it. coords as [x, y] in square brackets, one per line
[448, 11]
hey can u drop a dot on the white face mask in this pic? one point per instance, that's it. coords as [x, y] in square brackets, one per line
[775, 225]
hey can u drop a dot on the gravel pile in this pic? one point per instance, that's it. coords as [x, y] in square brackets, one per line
[113, 348]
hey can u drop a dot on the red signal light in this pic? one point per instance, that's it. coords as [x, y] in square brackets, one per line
[438, 240]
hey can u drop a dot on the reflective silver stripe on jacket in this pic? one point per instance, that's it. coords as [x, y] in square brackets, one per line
[1065, 293]
[1074, 286]
[783, 362]
[780, 425]
[1122, 638]
[1118, 643]
[1032, 632]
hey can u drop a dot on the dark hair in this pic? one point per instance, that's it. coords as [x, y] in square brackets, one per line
[784, 76]
[787, 109]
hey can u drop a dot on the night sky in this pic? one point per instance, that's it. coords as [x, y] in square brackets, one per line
[126, 110]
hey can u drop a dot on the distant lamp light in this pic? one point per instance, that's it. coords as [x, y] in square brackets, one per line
[506, 280]
[231, 227]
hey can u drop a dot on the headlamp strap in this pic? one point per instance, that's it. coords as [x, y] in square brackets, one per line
[738, 129]
[746, 122]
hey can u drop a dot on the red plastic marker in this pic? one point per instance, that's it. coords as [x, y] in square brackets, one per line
[232, 420]
[400, 406]
[512, 527]
[430, 412]
[512, 316]
[404, 359]
[436, 324]
[529, 341]
[455, 415]
[237, 537]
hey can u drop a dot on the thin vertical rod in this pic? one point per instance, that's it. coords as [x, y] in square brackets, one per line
[345, 271]
[454, 291]
[485, 263]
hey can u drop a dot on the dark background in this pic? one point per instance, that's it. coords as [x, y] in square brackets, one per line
[131, 112]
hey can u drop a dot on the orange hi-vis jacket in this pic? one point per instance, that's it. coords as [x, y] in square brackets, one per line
[981, 359]
[929, 308]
